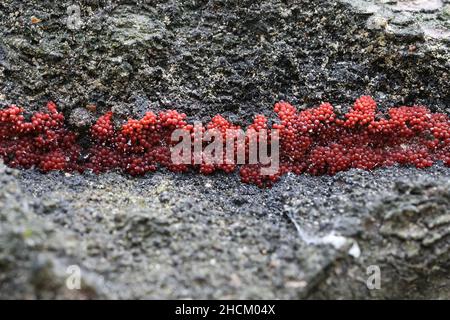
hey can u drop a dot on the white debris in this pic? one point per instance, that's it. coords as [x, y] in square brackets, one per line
[335, 240]
[355, 251]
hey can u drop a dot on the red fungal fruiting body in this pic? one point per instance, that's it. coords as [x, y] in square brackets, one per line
[42, 142]
[103, 129]
[314, 141]
[362, 113]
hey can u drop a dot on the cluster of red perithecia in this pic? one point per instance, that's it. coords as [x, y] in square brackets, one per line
[315, 141]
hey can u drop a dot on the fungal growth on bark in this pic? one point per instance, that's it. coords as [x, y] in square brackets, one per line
[316, 141]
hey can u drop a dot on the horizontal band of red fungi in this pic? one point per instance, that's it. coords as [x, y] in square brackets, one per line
[315, 141]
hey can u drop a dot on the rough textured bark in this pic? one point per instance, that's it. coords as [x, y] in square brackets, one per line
[183, 236]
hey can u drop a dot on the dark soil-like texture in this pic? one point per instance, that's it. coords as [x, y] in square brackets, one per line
[171, 235]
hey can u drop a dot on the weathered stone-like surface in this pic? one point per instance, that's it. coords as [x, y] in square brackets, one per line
[170, 236]
[187, 236]
[427, 19]
[34, 254]
[234, 57]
